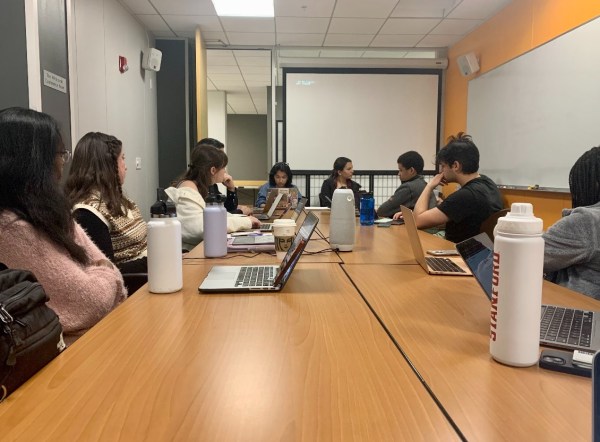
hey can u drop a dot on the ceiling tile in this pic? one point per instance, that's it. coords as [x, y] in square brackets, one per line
[424, 8]
[253, 84]
[451, 26]
[185, 7]
[244, 53]
[438, 41]
[355, 25]
[139, 6]
[305, 8]
[248, 24]
[220, 69]
[153, 22]
[478, 9]
[296, 25]
[300, 39]
[396, 41]
[264, 70]
[348, 40]
[229, 86]
[362, 8]
[253, 61]
[220, 56]
[191, 22]
[409, 26]
[255, 77]
[251, 39]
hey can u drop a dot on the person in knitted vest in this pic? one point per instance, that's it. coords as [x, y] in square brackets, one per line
[94, 190]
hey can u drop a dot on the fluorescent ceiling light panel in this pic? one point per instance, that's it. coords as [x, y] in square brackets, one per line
[244, 8]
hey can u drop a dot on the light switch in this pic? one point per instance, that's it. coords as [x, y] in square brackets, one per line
[138, 163]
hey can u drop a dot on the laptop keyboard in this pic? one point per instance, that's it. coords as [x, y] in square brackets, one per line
[266, 226]
[443, 265]
[255, 277]
[566, 326]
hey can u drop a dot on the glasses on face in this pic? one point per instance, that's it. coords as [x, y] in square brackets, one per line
[65, 155]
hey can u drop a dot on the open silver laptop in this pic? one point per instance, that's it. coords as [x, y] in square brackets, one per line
[454, 266]
[268, 227]
[560, 326]
[260, 277]
[272, 208]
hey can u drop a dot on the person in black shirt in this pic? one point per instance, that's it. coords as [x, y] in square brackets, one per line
[464, 210]
[340, 178]
[231, 203]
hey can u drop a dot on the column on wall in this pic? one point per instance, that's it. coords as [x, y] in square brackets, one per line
[217, 115]
[201, 95]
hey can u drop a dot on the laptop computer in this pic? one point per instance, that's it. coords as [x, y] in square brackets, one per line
[561, 327]
[269, 212]
[454, 266]
[293, 215]
[260, 277]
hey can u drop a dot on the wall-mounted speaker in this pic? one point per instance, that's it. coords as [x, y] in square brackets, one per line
[151, 60]
[467, 64]
[342, 220]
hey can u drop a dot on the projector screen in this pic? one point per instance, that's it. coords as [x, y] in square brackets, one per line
[368, 115]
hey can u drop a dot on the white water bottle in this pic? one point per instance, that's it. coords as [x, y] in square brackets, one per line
[165, 270]
[215, 227]
[342, 220]
[518, 265]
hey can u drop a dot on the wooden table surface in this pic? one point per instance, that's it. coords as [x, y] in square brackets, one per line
[310, 363]
[442, 324]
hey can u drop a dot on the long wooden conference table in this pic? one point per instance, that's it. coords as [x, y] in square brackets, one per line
[360, 345]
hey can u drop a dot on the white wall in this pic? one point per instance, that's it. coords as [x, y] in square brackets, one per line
[104, 100]
[217, 116]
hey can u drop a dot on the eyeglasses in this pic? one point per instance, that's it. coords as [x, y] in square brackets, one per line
[65, 155]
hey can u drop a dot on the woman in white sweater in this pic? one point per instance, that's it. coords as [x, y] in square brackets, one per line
[207, 167]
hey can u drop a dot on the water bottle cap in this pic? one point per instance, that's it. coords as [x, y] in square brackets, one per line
[520, 220]
[213, 198]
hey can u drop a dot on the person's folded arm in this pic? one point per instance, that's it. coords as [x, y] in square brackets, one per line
[568, 243]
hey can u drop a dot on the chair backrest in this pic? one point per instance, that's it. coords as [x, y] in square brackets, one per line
[488, 225]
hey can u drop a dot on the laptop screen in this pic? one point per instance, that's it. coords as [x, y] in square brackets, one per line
[296, 249]
[478, 253]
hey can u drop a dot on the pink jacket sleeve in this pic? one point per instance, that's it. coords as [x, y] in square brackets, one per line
[81, 295]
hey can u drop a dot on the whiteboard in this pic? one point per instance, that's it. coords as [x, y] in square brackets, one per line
[369, 116]
[532, 117]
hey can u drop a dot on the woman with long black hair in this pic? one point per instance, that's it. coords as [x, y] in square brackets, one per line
[37, 231]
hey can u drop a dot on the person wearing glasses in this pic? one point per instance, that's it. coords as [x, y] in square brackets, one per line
[94, 189]
[280, 177]
[37, 230]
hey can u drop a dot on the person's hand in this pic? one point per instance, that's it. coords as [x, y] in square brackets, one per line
[255, 222]
[397, 215]
[228, 182]
[246, 210]
[437, 180]
[104, 263]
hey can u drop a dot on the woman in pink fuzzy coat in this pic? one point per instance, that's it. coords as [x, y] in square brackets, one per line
[37, 232]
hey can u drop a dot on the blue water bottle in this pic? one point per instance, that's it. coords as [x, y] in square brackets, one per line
[367, 209]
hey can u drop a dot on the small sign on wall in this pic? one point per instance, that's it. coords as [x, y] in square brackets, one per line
[55, 81]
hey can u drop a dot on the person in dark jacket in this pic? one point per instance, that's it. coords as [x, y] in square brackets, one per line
[340, 179]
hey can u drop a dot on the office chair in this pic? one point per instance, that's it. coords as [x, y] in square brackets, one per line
[488, 225]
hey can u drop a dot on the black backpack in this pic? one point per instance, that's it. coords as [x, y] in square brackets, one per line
[30, 333]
